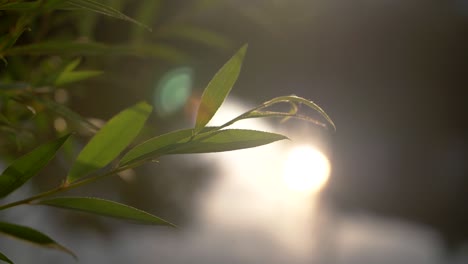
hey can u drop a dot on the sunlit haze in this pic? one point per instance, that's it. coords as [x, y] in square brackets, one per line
[306, 169]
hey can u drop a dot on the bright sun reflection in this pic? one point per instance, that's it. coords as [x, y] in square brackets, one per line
[306, 169]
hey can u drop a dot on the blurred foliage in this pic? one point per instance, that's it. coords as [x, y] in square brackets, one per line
[43, 47]
[48, 47]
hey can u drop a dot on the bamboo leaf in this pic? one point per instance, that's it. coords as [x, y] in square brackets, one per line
[106, 208]
[25, 167]
[225, 140]
[5, 259]
[31, 235]
[210, 140]
[110, 141]
[71, 77]
[157, 146]
[218, 89]
[105, 10]
[68, 75]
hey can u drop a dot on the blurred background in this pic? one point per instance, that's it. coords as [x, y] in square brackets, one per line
[389, 186]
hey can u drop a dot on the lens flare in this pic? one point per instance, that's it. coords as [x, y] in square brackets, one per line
[306, 169]
[173, 91]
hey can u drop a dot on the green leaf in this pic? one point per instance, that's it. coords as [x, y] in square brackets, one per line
[110, 141]
[151, 147]
[5, 259]
[218, 89]
[225, 140]
[106, 208]
[156, 146]
[182, 142]
[68, 75]
[105, 10]
[71, 77]
[25, 167]
[31, 235]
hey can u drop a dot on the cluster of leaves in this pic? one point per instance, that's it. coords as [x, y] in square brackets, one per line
[108, 151]
[40, 41]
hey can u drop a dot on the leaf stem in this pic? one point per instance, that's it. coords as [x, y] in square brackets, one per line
[69, 186]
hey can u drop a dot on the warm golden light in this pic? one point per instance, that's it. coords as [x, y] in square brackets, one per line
[306, 169]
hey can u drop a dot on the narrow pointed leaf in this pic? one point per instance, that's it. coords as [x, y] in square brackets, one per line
[225, 140]
[106, 208]
[156, 146]
[97, 7]
[25, 167]
[210, 140]
[218, 89]
[31, 235]
[5, 259]
[110, 141]
[151, 147]
[76, 76]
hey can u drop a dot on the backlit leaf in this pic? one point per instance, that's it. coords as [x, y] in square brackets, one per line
[225, 140]
[31, 235]
[218, 89]
[156, 146]
[106, 208]
[210, 140]
[25, 167]
[110, 141]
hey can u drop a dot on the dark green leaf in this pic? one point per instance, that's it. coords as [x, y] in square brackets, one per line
[31, 235]
[5, 259]
[110, 141]
[25, 167]
[218, 89]
[105, 10]
[106, 208]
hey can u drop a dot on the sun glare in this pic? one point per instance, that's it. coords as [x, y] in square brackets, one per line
[306, 169]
